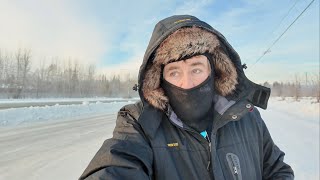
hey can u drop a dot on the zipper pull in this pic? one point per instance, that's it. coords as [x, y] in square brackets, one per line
[208, 166]
[235, 170]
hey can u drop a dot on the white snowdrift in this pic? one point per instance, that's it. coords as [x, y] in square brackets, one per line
[19, 116]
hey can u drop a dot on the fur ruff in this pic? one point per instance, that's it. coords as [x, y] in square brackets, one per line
[186, 42]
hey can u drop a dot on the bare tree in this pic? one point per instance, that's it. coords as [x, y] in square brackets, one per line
[18, 58]
[75, 80]
[23, 66]
[57, 80]
[68, 78]
[307, 81]
[40, 78]
[9, 74]
[297, 89]
[277, 89]
[87, 81]
[1, 67]
[316, 87]
[26, 64]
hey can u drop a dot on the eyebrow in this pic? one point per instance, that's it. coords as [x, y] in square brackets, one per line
[197, 63]
[193, 64]
[172, 68]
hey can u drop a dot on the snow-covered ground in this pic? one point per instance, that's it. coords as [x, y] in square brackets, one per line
[57, 142]
[4, 101]
[294, 127]
[27, 115]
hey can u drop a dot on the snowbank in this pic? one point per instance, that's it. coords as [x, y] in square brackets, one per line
[19, 116]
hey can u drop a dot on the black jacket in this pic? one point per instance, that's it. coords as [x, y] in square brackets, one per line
[148, 143]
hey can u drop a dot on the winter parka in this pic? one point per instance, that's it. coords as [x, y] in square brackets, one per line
[152, 143]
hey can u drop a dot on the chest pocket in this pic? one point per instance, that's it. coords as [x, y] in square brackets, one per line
[234, 166]
[239, 151]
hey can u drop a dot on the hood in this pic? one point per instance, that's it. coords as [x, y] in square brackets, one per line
[230, 80]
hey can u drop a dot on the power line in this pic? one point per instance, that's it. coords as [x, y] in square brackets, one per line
[269, 48]
[294, 4]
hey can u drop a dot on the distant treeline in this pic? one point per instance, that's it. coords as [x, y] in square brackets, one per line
[57, 79]
[71, 79]
[301, 87]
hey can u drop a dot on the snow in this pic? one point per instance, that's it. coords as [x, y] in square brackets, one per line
[294, 127]
[57, 142]
[17, 116]
[27, 100]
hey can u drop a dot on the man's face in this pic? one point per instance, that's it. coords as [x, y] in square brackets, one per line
[187, 73]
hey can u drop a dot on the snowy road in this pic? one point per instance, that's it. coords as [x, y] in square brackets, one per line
[55, 150]
[61, 148]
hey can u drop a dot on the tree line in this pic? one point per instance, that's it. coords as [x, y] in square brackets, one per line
[71, 79]
[302, 86]
[57, 79]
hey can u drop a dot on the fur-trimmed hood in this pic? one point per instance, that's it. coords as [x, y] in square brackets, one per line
[177, 37]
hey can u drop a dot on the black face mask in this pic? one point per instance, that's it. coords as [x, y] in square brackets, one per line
[194, 106]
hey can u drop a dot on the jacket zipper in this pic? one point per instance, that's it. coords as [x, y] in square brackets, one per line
[209, 144]
[208, 139]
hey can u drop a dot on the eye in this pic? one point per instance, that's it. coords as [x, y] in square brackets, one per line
[197, 71]
[174, 74]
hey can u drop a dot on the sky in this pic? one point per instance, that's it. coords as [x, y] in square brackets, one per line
[113, 35]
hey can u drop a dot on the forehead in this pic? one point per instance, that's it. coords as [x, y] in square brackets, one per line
[200, 60]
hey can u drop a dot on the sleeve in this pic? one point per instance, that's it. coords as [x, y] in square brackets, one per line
[127, 155]
[274, 168]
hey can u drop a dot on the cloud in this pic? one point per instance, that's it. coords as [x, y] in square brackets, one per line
[248, 28]
[131, 67]
[50, 29]
[114, 35]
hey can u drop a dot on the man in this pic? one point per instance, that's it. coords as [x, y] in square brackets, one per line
[196, 118]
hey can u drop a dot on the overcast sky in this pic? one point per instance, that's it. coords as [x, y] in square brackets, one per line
[113, 35]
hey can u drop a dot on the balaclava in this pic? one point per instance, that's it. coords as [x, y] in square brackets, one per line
[193, 106]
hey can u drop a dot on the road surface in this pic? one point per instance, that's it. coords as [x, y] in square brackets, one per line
[52, 150]
[62, 150]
